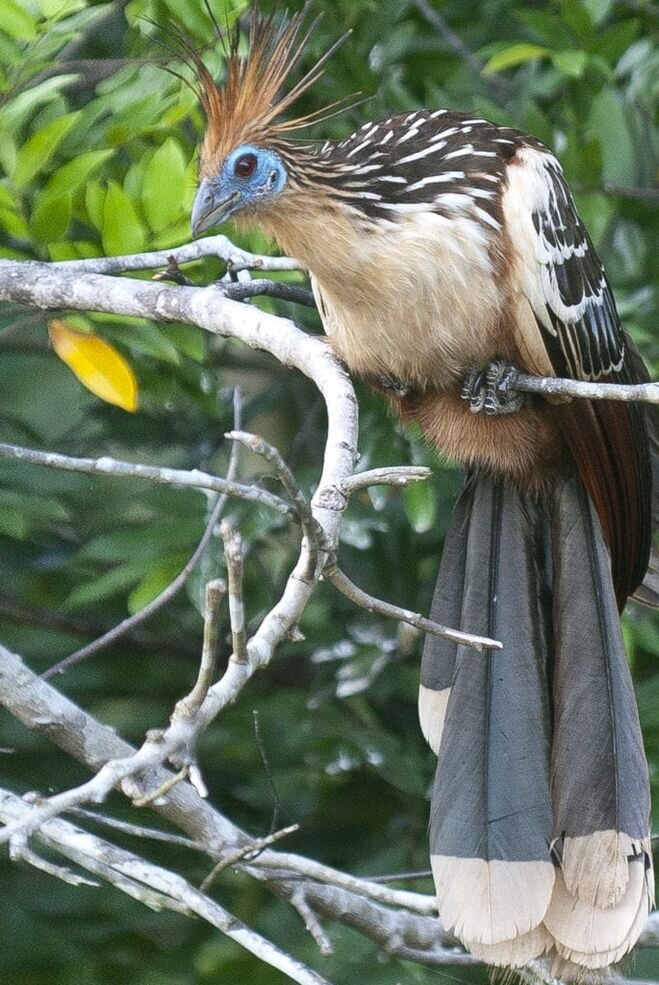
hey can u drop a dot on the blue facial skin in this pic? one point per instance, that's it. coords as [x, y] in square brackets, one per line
[249, 176]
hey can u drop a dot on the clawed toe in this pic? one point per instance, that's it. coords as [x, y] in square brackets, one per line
[491, 390]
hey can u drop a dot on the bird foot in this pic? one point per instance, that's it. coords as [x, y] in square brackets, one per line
[392, 383]
[491, 390]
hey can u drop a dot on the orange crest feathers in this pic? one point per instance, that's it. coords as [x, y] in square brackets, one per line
[245, 109]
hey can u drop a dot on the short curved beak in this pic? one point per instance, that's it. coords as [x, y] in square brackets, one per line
[208, 210]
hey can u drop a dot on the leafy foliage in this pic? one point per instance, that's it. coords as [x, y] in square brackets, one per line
[97, 150]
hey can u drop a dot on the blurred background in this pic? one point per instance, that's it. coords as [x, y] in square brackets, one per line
[98, 156]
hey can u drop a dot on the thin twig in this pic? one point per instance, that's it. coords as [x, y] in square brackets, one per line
[246, 852]
[163, 789]
[215, 591]
[401, 475]
[648, 195]
[271, 289]
[156, 887]
[276, 803]
[168, 593]
[192, 478]
[57, 871]
[284, 475]
[217, 246]
[341, 581]
[556, 386]
[364, 887]
[299, 900]
[457, 45]
[402, 876]
[233, 553]
[140, 831]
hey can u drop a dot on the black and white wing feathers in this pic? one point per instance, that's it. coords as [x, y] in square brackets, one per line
[560, 272]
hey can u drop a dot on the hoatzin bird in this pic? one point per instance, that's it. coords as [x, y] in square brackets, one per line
[442, 250]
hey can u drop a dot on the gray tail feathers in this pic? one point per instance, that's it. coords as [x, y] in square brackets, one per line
[539, 827]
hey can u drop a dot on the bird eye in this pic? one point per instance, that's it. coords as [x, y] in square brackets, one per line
[245, 166]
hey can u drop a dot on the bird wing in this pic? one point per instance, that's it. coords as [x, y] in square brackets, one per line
[559, 270]
[575, 329]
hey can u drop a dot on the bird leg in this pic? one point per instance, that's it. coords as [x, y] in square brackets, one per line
[491, 390]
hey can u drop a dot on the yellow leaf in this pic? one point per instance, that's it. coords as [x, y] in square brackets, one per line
[96, 363]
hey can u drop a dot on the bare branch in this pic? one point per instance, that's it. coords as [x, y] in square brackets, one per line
[168, 593]
[273, 456]
[215, 590]
[57, 871]
[40, 707]
[341, 581]
[194, 478]
[271, 289]
[139, 830]
[212, 246]
[401, 475]
[417, 902]
[252, 849]
[154, 886]
[555, 386]
[233, 553]
[299, 900]
[163, 789]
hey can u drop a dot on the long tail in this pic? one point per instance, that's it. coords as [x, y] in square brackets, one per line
[539, 825]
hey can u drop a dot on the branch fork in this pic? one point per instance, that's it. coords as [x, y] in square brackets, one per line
[412, 929]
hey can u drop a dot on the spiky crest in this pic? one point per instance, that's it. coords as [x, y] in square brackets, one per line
[245, 109]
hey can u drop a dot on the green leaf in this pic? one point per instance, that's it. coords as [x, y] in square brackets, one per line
[598, 9]
[188, 339]
[8, 152]
[597, 211]
[420, 499]
[153, 583]
[164, 185]
[39, 149]
[13, 523]
[17, 110]
[57, 9]
[95, 194]
[51, 217]
[75, 173]
[11, 220]
[127, 543]
[17, 22]
[608, 120]
[104, 586]
[577, 18]
[122, 230]
[516, 54]
[570, 62]
[72, 250]
[42, 511]
[612, 44]
[145, 337]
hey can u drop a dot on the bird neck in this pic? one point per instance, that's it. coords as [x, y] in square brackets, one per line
[326, 235]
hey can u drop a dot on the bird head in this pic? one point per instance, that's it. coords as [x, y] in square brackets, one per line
[249, 176]
[246, 162]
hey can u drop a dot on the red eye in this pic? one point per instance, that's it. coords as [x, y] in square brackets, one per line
[245, 166]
